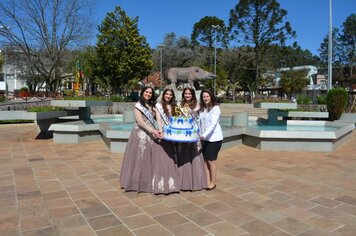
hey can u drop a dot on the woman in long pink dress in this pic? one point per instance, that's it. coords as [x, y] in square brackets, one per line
[191, 167]
[165, 179]
[137, 166]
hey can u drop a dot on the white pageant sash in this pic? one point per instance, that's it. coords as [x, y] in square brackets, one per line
[146, 113]
[161, 112]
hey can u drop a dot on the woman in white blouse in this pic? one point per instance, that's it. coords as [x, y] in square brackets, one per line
[210, 134]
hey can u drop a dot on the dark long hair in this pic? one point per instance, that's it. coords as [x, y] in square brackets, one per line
[192, 103]
[152, 100]
[172, 102]
[212, 102]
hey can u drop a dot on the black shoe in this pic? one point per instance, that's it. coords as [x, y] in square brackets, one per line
[211, 188]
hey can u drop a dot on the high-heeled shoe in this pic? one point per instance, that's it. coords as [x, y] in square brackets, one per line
[211, 188]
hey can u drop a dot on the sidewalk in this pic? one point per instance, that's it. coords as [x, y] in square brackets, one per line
[73, 189]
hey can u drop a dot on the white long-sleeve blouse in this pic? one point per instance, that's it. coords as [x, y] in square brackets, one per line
[210, 127]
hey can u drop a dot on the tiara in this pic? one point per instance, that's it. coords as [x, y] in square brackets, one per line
[150, 85]
[168, 87]
[187, 85]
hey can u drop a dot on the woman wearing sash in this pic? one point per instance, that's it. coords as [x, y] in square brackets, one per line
[191, 167]
[137, 165]
[165, 174]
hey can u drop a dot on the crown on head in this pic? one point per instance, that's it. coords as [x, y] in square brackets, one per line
[150, 85]
[188, 85]
[168, 87]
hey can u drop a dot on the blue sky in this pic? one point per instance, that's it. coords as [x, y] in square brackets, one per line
[309, 18]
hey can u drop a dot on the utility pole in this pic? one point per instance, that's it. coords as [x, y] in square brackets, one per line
[216, 28]
[330, 48]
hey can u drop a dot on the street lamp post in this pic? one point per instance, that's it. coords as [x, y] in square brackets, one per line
[160, 62]
[216, 28]
[330, 50]
[5, 68]
[5, 28]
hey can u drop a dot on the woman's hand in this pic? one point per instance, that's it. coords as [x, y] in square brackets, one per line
[202, 138]
[156, 134]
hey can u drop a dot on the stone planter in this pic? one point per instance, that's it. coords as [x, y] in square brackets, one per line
[83, 105]
[275, 105]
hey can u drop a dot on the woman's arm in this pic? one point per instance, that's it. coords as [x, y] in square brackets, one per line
[143, 125]
[159, 123]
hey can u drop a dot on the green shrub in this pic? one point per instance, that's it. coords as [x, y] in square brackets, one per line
[69, 93]
[336, 101]
[321, 99]
[237, 100]
[89, 98]
[117, 98]
[2, 98]
[303, 99]
[44, 109]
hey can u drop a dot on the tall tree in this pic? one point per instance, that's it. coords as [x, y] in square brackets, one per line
[348, 41]
[123, 55]
[41, 31]
[336, 48]
[259, 23]
[208, 31]
[209, 34]
[2, 60]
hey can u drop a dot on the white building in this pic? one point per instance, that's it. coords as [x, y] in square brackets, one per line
[311, 75]
[9, 81]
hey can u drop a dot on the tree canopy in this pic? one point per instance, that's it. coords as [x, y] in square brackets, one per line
[123, 55]
[293, 81]
[208, 31]
[41, 32]
[259, 23]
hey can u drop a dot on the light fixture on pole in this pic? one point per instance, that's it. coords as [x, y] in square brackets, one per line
[5, 28]
[4, 52]
[216, 28]
[160, 62]
[330, 48]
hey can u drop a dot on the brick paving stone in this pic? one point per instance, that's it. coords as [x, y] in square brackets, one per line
[103, 222]
[118, 230]
[64, 211]
[188, 229]
[187, 209]
[203, 218]
[170, 220]
[326, 202]
[292, 226]
[127, 210]
[224, 228]
[324, 211]
[10, 231]
[347, 199]
[71, 189]
[297, 213]
[151, 230]
[95, 211]
[48, 231]
[323, 223]
[237, 217]
[157, 209]
[138, 221]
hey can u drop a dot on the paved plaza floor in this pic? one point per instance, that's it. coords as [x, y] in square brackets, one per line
[73, 189]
